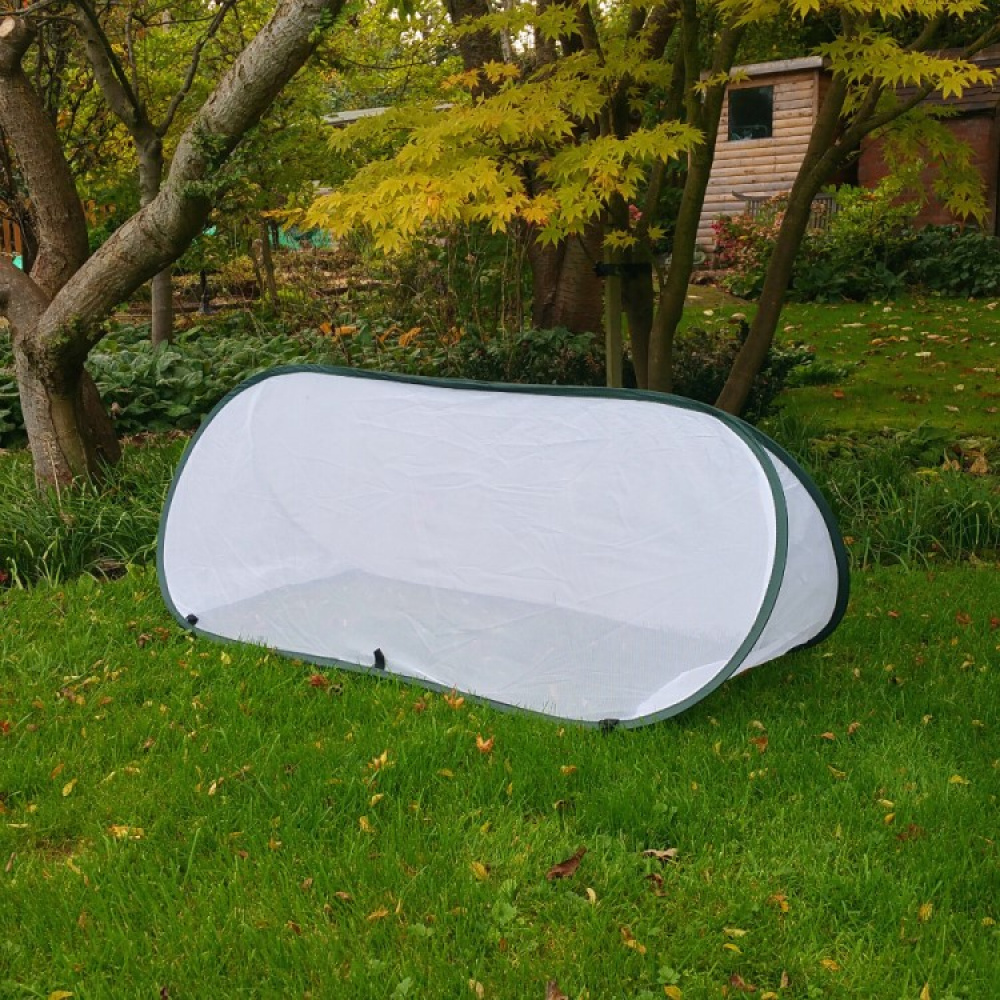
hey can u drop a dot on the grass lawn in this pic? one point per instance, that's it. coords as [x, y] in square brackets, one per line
[913, 361]
[185, 819]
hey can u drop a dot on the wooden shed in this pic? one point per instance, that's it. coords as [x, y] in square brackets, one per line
[766, 122]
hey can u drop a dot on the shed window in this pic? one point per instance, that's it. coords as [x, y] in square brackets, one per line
[751, 113]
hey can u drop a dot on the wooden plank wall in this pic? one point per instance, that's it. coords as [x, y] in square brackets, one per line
[10, 238]
[761, 167]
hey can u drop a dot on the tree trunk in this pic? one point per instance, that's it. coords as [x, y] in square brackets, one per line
[267, 263]
[69, 432]
[753, 354]
[150, 149]
[565, 290]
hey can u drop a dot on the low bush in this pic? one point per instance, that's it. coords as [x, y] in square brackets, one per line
[954, 261]
[703, 359]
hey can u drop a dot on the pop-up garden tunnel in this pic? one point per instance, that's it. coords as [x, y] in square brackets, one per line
[603, 556]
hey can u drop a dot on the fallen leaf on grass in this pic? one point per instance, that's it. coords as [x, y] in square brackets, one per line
[319, 681]
[454, 700]
[5, 726]
[734, 932]
[123, 832]
[344, 897]
[837, 774]
[477, 988]
[68, 789]
[828, 736]
[674, 992]
[552, 991]
[568, 769]
[60, 995]
[830, 965]
[925, 912]
[630, 942]
[912, 832]
[853, 728]
[955, 779]
[565, 869]
[962, 618]
[925, 993]
[484, 746]
[739, 983]
[9, 867]
[591, 896]
[656, 879]
[380, 914]
[481, 871]
[760, 742]
[670, 854]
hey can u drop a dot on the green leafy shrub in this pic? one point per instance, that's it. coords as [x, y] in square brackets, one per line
[954, 261]
[862, 253]
[703, 359]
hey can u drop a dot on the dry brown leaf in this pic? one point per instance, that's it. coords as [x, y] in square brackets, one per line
[380, 914]
[306, 884]
[591, 896]
[568, 769]
[552, 991]
[565, 869]
[784, 982]
[481, 871]
[828, 736]
[630, 942]
[484, 746]
[68, 788]
[9, 867]
[739, 983]
[853, 728]
[454, 700]
[344, 897]
[670, 854]
[477, 988]
[780, 900]
[830, 965]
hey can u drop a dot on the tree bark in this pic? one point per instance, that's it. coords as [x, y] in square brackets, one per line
[565, 290]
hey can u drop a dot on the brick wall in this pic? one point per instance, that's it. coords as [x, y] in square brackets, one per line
[981, 132]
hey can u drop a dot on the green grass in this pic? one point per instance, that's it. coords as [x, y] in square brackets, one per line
[185, 817]
[914, 361]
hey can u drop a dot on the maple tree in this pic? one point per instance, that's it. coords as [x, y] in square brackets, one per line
[574, 133]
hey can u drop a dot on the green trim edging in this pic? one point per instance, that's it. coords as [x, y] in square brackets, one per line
[749, 436]
[840, 554]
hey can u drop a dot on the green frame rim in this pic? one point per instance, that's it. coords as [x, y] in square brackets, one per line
[750, 437]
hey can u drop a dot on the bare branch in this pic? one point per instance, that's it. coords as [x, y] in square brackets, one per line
[192, 72]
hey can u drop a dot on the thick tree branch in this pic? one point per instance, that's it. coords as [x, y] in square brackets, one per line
[111, 77]
[21, 300]
[58, 214]
[162, 230]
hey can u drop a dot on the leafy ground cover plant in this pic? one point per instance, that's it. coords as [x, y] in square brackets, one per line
[180, 817]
